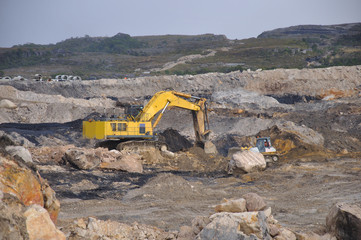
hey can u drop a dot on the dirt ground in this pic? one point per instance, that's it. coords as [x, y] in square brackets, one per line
[299, 193]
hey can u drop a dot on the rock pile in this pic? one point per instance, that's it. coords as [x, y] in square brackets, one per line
[246, 218]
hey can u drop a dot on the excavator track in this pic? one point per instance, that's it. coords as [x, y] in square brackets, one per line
[141, 145]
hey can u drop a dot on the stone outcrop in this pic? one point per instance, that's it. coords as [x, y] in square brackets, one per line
[344, 221]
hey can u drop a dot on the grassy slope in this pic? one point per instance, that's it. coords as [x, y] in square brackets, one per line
[122, 55]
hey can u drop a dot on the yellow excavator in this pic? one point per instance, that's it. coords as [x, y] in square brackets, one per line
[138, 124]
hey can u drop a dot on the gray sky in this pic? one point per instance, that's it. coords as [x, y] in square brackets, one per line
[51, 21]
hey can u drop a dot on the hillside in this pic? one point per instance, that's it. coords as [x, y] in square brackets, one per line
[126, 56]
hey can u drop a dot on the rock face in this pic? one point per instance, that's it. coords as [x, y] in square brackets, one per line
[20, 186]
[39, 224]
[29, 188]
[21, 182]
[344, 221]
[248, 161]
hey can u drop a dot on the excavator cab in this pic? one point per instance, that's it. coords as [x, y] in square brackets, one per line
[132, 111]
[264, 144]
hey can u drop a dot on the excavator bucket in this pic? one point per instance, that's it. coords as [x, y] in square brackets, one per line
[200, 122]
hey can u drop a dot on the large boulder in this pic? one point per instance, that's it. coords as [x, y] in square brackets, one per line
[210, 148]
[344, 221]
[39, 224]
[254, 202]
[248, 161]
[125, 162]
[85, 159]
[19, 151]
[233, 205]
[228, 226]
[7, 104]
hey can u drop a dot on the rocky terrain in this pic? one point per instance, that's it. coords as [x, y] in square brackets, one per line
[313, 117]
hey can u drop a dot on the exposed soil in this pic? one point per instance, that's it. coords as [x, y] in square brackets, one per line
[300, 193]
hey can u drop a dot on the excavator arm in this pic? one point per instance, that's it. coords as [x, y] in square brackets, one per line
[161, 100]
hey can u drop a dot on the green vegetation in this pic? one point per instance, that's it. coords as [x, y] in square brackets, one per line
[124, 56]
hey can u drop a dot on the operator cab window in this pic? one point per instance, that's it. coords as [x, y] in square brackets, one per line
[141, 128]
[122, 127]
[114, 126]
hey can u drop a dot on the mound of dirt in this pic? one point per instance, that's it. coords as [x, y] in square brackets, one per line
[167, 186]
[175, 141]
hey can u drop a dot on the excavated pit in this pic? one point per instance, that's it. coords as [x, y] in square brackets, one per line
[293, 98]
